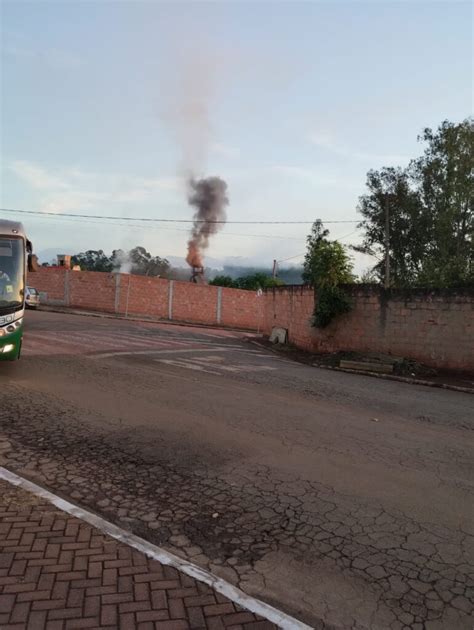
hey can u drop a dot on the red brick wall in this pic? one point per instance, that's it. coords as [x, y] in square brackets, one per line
[147, 296]
[91, 290]
[194, 303]
[242, 309]
[52, 284]
[436, 328]
[290, 308]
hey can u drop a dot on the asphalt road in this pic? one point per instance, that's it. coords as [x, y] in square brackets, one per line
[346, 501]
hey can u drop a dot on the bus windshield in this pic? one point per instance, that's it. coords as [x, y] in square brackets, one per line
[12, 273]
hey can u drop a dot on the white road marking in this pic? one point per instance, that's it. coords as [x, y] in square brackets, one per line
[188, 365]
[204, 363]
[233, 593]
[119, 353]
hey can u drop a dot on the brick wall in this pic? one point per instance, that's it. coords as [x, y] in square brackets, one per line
[52, 283]
[149, 297]
[194, 303]
[91, 290]
[139, 295]
[434, 327]
[242, 309]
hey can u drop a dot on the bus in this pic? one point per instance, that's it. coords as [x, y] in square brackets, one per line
[16, 258]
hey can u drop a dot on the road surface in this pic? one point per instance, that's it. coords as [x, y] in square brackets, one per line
[344, 500]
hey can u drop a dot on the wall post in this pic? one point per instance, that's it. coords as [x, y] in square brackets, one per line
[219, 305]
[67, 298]
[117, 292]
[170, 299]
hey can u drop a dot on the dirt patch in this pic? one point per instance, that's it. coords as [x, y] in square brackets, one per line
[402, 366]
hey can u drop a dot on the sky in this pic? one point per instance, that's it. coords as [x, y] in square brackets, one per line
[106, 105]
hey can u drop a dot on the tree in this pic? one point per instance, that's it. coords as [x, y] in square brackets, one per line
[390, 191]
[327, 266]
[93, 260]
[142, 263]
[222, 281]
[326, 263]
[445, 177]
[430, 204]
[252, 282]
[257, 281]
[137, 261]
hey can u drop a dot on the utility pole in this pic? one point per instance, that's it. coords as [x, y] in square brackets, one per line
[274, 274]
[387, 242]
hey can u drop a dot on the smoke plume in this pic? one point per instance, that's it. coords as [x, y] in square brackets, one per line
[121, 261]
[187, 114]
[209, 197]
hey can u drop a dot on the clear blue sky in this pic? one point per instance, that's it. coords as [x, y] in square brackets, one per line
[300, 99]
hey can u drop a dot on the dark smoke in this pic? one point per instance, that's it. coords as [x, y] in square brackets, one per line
[209, 197]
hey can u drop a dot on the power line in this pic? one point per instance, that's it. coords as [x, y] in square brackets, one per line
[299, 255]
[53, 217]
[148, 219]
[291, 258]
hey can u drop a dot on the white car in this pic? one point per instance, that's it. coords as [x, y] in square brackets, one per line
[32, 298]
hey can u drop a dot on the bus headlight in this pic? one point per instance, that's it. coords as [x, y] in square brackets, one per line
[8, 348]
[11, 328]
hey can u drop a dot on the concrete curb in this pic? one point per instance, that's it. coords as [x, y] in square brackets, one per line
[281, 619]
[388, 377]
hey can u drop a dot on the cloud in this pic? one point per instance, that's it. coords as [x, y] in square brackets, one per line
[36, 176]
[74, 189]
[325, 140]
[225, 150]
[314, 176]
[301, 172]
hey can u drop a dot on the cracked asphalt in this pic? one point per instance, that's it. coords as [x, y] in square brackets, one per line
[344, 500]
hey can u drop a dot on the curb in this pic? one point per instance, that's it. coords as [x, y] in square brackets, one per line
[388, 377]
[279, 618]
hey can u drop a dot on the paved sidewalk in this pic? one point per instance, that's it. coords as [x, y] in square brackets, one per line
[58, 572]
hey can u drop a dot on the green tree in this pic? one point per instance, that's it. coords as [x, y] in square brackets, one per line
[257, 281]
[390, 191]
[252, 282]
[93, 260]
[223, 281]
[327, 266]
[430, 204]
[445, 177]
[326, 263]
[144, 264]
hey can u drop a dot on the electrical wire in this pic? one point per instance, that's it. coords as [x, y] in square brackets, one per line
[299, 255]
[154, 220]
[69, 219]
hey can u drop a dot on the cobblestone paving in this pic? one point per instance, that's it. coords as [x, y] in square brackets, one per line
[232, 521]
[58, 573]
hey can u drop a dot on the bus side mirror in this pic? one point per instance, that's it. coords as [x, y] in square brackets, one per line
[32, 263]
